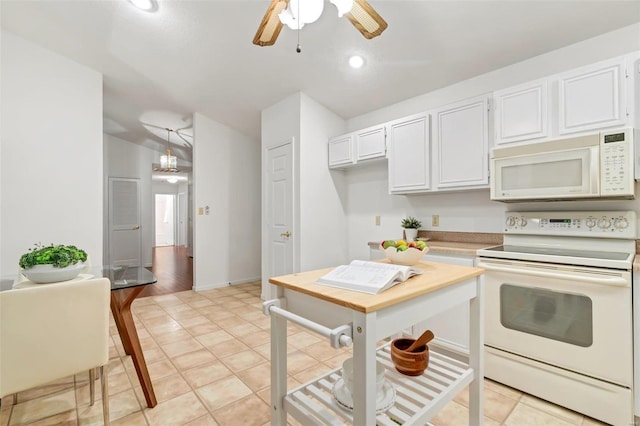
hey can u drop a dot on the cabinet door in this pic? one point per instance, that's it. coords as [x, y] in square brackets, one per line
[451, 327]
[592, 97]
[370, 143]
[341, 151]
[462, 144]
[521, 112]
[409, 154]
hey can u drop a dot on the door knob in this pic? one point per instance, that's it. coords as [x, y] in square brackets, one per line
[135, 228]
[286, 234]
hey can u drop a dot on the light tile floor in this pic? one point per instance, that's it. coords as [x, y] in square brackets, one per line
[208, 357]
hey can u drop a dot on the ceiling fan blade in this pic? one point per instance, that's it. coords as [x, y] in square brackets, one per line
[270, 26]
[366, 19]
[153, 125]
[185, 141]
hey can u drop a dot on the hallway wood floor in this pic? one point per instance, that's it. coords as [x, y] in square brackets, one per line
[174, 270]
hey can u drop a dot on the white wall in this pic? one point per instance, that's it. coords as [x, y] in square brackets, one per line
[51, 165]
[280, 123]
[323, 224]
[319, 198]
[367, 187]
[129, 160]
[226, 176]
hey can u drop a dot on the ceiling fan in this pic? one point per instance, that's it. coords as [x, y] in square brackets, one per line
[291, 12]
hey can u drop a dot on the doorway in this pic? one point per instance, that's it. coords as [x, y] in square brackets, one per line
[165, 224]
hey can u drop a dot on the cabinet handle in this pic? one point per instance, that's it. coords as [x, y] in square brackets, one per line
[286, 234]
[135, 228]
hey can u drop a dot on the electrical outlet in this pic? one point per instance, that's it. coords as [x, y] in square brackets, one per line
[435, 220]
[377, 220]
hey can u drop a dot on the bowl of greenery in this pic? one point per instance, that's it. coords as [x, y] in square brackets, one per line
[52, 263]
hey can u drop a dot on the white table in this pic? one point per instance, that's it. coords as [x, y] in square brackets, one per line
[365, 319]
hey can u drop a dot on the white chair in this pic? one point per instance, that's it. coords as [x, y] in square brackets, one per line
[52, 331]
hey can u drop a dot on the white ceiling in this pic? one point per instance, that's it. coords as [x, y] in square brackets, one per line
[197, 56]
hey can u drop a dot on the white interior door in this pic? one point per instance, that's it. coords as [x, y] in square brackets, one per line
[165, 220]
[125, 237]
[182, 219]
[279, 208]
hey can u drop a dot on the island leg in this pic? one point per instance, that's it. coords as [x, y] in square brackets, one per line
[278, 369]
[476, 354]
[364, 369]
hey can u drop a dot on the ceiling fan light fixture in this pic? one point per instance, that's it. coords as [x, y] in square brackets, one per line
[298, 13]
[145, 5]
[343, 6]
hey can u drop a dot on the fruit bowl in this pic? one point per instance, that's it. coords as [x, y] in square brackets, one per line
[402, 252]
[409, 257]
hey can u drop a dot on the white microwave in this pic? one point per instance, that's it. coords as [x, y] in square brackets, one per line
[598, 165]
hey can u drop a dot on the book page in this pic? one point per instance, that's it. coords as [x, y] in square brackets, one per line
[406, 272]
[367, 277]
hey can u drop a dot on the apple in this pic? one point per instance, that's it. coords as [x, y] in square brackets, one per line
[402, 247]
[388, 243]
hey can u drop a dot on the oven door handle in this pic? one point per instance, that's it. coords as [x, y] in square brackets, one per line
[617, 281]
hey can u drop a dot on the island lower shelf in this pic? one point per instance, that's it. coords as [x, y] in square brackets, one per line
[417, 399]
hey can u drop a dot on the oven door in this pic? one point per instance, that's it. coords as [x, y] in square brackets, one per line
[576, 318]
[566, 174]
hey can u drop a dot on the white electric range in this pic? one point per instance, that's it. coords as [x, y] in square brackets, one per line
[559, 315]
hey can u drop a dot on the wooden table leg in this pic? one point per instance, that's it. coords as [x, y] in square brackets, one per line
[117, 317]
[121, 309]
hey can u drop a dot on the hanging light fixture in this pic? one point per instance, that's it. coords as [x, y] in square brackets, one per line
[299, 12]
[168, 162]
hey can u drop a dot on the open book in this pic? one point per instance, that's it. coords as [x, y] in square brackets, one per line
[368, 277]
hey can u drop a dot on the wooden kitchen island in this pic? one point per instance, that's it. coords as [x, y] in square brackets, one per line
[346, 316]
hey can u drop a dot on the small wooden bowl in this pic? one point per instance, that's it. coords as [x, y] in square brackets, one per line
[409, 363]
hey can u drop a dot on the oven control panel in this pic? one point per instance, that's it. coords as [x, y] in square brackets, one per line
[608, 224]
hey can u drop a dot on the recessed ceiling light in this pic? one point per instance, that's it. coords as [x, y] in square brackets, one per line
[356, 61]
[146, 5]
[172, 180]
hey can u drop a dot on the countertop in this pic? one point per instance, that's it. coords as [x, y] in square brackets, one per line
[460, 243]
[435, 277]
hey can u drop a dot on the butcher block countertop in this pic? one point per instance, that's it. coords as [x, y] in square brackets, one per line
[435, 276]
[458, 243]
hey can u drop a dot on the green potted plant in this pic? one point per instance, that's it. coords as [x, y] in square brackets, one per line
[52, 263]
[411, 226]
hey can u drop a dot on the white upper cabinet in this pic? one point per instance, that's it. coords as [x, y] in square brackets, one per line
[341, 151]
[370, 143]
[409, 154]
[521, 112]
[461, 139]
[592, 97]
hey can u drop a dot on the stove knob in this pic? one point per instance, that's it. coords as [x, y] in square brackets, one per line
[522, 222]
[622, 223]
[511, 221]
[591, 222]
[604, 223]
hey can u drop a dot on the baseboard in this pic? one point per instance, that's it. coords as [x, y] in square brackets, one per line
[225, 284]
[245, 280]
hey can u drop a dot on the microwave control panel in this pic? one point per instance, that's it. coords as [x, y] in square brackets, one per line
[616, 163]
[618, 224]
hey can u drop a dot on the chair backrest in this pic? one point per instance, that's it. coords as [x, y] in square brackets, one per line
[51, 331]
